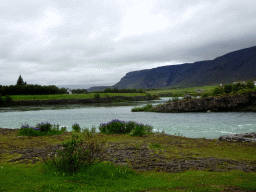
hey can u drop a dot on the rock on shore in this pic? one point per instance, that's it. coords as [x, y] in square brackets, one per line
[243, 137]
[239, 102]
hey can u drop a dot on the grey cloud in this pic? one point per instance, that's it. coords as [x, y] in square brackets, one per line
[57, 42]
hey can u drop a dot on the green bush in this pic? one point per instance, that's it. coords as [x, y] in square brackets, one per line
[205, 95]
[238, 86]
[148, 96]
[8, 99]
[148, 107]
[44, 127]
[138, 131]
[250, 84]
[76, 153]
[76, 128]
[218, 91]
[1, 100]
[97, 96]
[228, 88]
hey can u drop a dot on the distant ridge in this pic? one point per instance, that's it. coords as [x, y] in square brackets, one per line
[234, 66]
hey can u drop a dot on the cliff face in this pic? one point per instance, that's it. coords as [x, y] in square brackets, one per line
[240, 102]
[238, 65]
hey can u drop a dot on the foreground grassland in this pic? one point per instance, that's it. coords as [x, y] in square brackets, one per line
[72, 96]
[28, 176]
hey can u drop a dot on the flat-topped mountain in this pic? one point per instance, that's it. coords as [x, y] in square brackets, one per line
[235, 66]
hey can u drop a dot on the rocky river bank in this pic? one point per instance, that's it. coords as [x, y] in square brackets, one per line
[239, 102]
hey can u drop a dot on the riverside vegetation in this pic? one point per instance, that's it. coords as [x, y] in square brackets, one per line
[217, 91]
[110, 161]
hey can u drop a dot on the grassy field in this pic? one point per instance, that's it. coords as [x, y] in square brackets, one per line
[18, 176]
[183, 91]
[72, 96]
[174, 92]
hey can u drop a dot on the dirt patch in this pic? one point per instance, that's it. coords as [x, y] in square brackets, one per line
[137, 156]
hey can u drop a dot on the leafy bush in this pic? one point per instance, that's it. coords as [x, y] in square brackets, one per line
[76, 128]
[76, 153]
[44, 127]
[122, 127]
[138, 130]
[1, 100]
[63, 129]
[238, 86]
[148, 96]
[96, 96]
[228, 88]
[8, 100]
[250, 84]
[205, 95]
[218, 91]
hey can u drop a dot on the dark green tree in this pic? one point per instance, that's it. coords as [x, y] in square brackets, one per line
[20, 81]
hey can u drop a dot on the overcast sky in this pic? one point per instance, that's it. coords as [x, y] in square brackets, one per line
[96, 42]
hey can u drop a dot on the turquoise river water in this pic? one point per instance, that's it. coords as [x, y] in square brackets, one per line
[196, 125]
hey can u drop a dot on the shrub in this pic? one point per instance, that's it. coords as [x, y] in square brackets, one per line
[205, 95]
[139, 130]
[1, 100]
[96, 96]
[8, 100]
[40, 130]
[122, 127]
[44, 127]
[228, 88]
[218, 91]
[238, 86]
[175, 99]
[63, 129]
[148, 107]
[148, 96]
[250, 84]
[76, 128]
[93, 129]
[76, 153]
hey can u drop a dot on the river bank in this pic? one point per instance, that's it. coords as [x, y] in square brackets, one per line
[157, 151]
[79, 101]
[178, 163]
[225, 103]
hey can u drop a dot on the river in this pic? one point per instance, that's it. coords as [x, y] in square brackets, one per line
[195, 125]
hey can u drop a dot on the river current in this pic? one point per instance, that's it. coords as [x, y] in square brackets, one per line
[195, 125]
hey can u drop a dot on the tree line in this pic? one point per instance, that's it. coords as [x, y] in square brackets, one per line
[22, 88]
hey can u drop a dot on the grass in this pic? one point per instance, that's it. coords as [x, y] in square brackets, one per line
[107, 177]
[148, 107]
[181, 92]
[72, 96]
